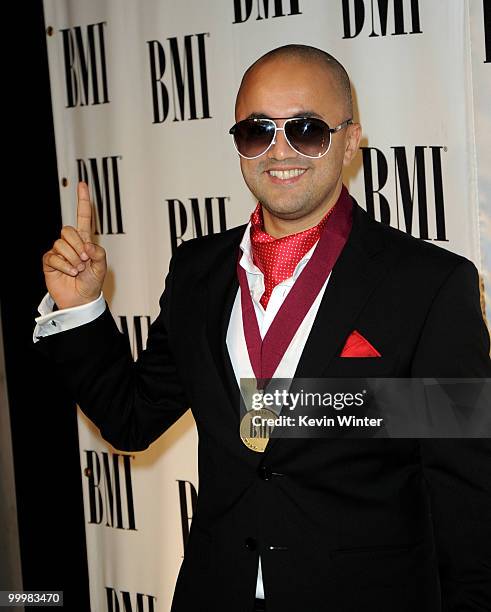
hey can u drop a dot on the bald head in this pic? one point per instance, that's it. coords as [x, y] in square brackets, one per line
[309, 55]
[296, 81]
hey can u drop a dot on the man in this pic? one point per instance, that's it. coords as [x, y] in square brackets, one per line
[308, 524]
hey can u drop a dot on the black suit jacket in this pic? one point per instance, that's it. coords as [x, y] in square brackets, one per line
[379, 525]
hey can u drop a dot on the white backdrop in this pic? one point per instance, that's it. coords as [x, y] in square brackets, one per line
[143, 96]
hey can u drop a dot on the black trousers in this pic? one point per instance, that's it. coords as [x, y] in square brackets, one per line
[259, 605]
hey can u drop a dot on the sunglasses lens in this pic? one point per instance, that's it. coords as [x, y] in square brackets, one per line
[308, 136]
[252, 136]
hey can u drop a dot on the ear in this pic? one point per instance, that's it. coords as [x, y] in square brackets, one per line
[353, 137]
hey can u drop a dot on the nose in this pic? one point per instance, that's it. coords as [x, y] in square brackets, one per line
[280, 149]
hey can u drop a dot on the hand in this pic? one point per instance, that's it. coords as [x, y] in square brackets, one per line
[74, 268]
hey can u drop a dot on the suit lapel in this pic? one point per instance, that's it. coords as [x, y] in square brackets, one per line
[221, 291]
[359, 269]
[361, 266]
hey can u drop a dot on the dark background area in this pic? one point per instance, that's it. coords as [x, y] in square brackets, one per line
[43, 419]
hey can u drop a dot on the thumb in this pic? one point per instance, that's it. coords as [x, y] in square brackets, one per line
[97, 256]
[94, 251]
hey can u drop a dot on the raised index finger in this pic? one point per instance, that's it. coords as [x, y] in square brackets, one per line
[84, 212]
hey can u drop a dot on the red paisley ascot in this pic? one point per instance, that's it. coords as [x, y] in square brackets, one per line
[277, 258]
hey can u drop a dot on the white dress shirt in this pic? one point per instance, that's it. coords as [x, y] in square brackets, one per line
[236, 343]
[50, 322]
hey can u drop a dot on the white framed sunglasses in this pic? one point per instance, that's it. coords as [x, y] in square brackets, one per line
[308, 136]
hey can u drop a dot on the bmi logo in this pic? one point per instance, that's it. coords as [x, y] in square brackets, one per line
[84, 56]
[419, 207]
[102, 175]
[377, 15]
[195, 218]
[179, 78]
[124, 601]
[138, 334]
[188, 499]
[264, 9]
[110, 489]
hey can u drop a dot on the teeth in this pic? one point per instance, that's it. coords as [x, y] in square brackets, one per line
[286, 174]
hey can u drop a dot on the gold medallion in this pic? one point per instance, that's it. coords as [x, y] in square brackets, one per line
[256, 427]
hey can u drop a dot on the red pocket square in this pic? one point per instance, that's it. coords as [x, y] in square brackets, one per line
[358, 346]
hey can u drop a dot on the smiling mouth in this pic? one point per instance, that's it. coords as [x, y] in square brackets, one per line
[286, 175]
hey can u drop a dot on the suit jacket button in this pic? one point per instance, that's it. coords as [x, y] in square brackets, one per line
[264, 472]
[250, 544]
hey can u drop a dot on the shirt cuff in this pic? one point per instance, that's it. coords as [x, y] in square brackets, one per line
[55, 321]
